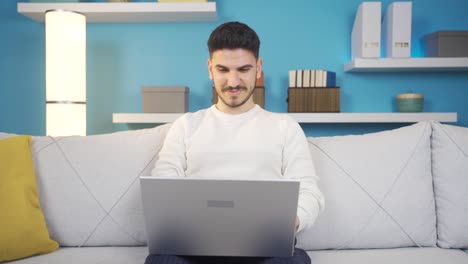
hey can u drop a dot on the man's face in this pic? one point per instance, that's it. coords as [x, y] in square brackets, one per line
[234, 72]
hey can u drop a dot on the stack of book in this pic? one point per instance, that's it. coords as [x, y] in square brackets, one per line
[258, 94]
[313, 91]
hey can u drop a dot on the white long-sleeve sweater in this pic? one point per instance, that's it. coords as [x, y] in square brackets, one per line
[256, 144]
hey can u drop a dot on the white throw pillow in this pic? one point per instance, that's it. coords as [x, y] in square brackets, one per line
[378, 190]
[89, 186]
[450, 170]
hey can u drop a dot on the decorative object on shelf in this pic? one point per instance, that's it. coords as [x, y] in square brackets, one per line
[258, 94]
[65, 73]
[446, 43]
[365, 36]
[165, 99]
[396, 30]
[410, 102]
[313, 91]
[260, 82]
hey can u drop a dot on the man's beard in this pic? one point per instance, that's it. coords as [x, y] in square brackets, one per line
[234, 105]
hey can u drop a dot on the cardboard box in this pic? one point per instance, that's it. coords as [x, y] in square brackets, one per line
[258, 96]
[164, 99]
[314, 100]
[446, 44]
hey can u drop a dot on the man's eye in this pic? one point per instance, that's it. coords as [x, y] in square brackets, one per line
[244, 69]
[222, 70]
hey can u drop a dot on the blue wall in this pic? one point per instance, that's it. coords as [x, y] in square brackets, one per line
[295, 34]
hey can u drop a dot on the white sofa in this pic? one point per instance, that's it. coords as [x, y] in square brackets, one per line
[397, 196]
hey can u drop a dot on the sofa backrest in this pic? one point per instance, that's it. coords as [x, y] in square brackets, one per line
[378, 187]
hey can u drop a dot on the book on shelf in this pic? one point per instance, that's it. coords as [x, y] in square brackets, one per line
[318, 78]
[366, 32]
[324, 78]
[292, 78]
[396, 30]
[306, 78]
[329, 79]
[311, 78]
[299, 77]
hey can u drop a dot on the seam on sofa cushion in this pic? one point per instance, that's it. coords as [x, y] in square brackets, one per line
[56, 142]
[84, 184]
[53, 142]
[118, 221]
[345, 244]
[120, 198]
[432, 180]
[403, 168]
[453, 140]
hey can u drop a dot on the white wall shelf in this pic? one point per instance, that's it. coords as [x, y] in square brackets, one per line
[406, 64]
[144, 12]
[159, 118]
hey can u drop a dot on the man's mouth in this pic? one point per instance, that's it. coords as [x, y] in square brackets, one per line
[234, 90]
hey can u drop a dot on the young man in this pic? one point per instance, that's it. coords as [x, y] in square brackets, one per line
[237, 137]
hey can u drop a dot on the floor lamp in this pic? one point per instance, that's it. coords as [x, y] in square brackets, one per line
[65, 73]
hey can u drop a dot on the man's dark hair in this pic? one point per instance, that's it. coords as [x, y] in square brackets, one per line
[234, 35]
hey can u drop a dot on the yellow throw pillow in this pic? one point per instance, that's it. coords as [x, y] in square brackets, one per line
[23, 231]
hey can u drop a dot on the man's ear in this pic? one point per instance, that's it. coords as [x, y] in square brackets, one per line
[259, 67]
[210, 69]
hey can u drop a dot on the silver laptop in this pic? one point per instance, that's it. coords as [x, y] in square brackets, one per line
[209, 217]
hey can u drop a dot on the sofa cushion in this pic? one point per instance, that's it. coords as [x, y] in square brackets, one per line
[131, 255]
[89, 186]
[390, 256]
[91, 255]
[378, 190]
[450, 170]
[23, 231]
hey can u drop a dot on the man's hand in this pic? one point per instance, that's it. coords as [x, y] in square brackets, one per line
[297, 222]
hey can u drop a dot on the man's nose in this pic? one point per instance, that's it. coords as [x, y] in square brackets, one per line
[233, 79]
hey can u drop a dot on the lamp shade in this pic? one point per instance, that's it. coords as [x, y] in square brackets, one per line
[65, 73]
